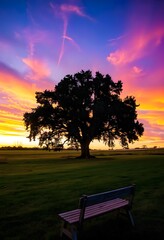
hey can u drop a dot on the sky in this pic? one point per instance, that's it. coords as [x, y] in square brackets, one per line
[41, 41]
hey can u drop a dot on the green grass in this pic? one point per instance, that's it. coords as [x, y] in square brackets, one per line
[37, 185]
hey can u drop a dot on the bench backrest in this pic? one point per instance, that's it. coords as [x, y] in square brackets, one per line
[125, 193]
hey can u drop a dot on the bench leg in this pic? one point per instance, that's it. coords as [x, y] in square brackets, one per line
[131, 217]
[61, 230]
[69, 232]
[74, 232]
[65, 231]
[128, 213]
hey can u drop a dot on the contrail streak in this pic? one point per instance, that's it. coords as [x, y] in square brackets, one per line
[63, 41]
[64, 11]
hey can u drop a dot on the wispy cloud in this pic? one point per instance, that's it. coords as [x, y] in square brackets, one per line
[68, 8]
[17, 96]
[137, 45]
[72, 41]
[154, 131]
[13, 84]
[39, 70]
[32, 37]
[64, 11]
[115, 41]
[137, 70]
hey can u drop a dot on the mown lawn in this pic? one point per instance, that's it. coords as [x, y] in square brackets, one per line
[35, 185]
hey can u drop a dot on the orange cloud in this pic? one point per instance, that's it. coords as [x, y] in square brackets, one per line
[17, 87]
[154, 117]
[17, 97]
[153, 130]
[151, 99]
[11, 126]
[11, 123]
[146, 103]
[146, 85]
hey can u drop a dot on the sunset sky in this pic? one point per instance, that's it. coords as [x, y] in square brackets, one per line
[41, 41]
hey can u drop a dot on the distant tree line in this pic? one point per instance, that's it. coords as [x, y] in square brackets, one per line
[57, 148]
[18, 148]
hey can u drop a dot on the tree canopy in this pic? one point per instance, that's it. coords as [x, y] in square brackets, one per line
[81, 108]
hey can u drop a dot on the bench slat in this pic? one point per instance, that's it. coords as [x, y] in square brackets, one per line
[89, 213]
[71, 216]
[94, 210]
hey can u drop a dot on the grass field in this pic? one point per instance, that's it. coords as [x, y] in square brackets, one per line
[36, 185]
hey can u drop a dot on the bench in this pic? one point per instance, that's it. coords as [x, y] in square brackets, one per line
[95, 205]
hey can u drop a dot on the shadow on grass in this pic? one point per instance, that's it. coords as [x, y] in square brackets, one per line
[116, 230]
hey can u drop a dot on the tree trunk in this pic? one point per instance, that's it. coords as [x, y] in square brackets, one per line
[85, 153]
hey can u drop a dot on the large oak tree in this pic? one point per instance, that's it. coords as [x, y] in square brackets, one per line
[81, 108]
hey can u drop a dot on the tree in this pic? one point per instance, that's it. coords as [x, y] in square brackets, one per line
[82, 108]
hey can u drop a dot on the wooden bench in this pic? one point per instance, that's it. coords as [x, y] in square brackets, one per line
[95, 205]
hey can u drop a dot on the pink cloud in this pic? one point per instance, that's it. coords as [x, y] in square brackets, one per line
[72, 8]
[38, 68]
[139, 44]
[64, 10]
[15, 88]
[67, 8]
[137, 70]
[153, 130]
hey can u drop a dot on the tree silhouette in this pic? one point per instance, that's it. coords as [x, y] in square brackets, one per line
[82, 108]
